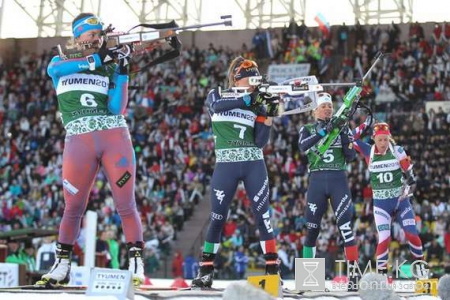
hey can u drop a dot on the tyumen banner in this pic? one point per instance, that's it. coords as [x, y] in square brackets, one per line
[280, 73]
[9, 275]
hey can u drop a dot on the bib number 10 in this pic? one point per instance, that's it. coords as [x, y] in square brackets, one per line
[385, 177]
[88, 100]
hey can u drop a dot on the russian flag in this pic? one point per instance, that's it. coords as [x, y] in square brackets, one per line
[323, 23]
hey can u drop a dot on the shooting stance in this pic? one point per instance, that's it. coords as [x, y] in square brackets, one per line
[92, 94]
[328, 179]
[241, 127]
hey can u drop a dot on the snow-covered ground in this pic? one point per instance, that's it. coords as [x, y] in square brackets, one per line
[290, 284]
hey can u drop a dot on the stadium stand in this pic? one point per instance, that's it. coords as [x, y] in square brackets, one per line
[174, 146]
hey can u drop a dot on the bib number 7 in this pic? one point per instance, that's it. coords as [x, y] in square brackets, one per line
[242, 130]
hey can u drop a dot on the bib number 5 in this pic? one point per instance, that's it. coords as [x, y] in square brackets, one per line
[328, 156]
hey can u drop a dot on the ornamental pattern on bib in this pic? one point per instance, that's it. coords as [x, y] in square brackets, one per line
[239, 154]
[94, 123]
[387, 193]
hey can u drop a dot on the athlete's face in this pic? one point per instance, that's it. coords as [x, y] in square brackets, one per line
[90, 37]
[324, 111]
[381, 142]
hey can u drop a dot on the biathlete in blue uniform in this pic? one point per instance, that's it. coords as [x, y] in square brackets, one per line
[328, 179]
[241, 127]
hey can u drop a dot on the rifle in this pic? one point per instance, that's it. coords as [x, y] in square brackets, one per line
[287, 90]
[342, 116]
[140, 41]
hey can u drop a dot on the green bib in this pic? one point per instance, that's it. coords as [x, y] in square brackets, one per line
[84, 94]
[333, 159]
[234, 135]
[385, 175]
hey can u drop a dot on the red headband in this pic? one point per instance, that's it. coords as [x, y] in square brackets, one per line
[381, 128]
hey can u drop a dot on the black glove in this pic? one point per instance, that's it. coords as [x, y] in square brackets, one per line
[410, 179]
[253, 99]
[323, 127]
[124, 55]
[175, 43]
[338, 122]
[272, 109]
[270, 98]
[106, 55]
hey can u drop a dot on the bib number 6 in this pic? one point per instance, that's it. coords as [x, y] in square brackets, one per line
[88, 100]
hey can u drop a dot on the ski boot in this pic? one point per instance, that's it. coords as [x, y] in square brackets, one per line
[353, 281]
[59, 274]
[205, 275]
[272, 264]
[420, 271]
[136, 263]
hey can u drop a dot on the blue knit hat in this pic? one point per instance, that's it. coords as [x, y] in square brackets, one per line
[86, 24]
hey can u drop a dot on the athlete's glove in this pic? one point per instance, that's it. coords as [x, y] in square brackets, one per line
[253, 99]
[270, 98]
[346, 137]
[368, 121]
[323, 127]
[338, 122]
[272, 109]
[408, 184]
[410, 177]
[175, 43]
[124, 55]
[106, 55]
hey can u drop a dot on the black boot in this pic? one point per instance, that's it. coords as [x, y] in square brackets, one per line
[205, 275]
[353, 281]
[272, 264]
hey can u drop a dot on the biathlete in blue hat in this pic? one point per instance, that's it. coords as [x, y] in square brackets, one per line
[92, 94]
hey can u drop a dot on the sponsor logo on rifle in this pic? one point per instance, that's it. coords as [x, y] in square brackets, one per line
[301, 87]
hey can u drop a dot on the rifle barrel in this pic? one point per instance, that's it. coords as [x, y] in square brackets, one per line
[338, 84]
[377, 58]
[226, 23]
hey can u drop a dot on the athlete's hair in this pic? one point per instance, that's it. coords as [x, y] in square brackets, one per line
[231, 70]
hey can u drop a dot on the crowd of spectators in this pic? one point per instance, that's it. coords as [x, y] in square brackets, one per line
[175, 149]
